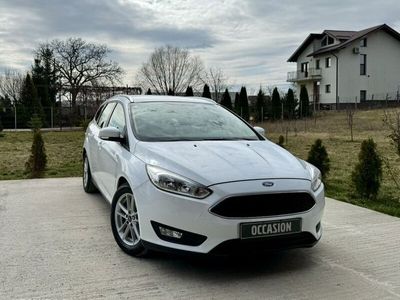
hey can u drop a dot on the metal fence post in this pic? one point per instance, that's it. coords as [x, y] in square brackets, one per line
[52, 117]
[15, 117]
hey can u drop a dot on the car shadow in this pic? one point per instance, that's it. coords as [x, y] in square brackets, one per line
[234, 267]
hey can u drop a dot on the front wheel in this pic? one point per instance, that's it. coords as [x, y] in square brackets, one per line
[125, 222]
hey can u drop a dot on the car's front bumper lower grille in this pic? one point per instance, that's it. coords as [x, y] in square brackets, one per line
[280, 242]
[263, 205]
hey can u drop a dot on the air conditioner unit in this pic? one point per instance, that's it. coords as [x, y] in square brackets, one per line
[356, 50]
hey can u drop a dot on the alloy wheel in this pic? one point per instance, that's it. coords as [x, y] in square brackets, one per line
[127, 220]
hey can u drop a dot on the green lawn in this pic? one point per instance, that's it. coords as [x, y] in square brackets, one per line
[64, 150]
[332, 128]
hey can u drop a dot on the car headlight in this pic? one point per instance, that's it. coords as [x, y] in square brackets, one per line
[174, 183]
[315, 177]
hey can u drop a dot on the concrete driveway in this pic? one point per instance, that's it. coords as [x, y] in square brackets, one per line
[56, 242]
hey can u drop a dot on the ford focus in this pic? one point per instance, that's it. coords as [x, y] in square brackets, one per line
[184, 174]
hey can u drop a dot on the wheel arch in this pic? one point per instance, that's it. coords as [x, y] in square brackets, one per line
[121, 181]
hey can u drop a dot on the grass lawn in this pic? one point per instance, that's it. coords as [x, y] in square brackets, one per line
[64, 153]
[332, 128]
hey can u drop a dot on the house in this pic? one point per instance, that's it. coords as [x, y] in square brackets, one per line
[339, 67]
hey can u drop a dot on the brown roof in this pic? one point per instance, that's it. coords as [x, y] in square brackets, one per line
[346, 37]
[340, 34]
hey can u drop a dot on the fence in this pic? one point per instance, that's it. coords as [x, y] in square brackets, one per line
[52, 117]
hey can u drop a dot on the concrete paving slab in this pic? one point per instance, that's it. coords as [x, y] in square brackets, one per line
[56, 242]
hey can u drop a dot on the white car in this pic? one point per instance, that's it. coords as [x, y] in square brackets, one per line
[187, 175]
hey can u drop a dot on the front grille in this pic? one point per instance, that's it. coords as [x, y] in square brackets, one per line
[263, 205]
[260, 245]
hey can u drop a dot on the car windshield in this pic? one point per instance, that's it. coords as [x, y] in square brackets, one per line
[188, 121]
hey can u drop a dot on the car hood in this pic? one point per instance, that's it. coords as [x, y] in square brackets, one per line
[212, 162]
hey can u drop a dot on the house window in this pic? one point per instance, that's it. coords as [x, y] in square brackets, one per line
[327, 40]
[363, 95]
[317, 64]
[328, 62]
[363, 64]
[363, 42]
[327, 88]
[304, 69]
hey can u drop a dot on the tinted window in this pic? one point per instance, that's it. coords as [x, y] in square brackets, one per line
[117, 119]
[177, 121]
[105, 114]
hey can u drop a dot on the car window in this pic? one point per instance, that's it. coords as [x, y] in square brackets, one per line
[98, 113]
[177, 121]
[117, 119]
[105, 115]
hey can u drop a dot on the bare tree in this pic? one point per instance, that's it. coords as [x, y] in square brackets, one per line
[392, 121]
[170, 69]
[216, 79]
[79, 63]
[11, 84]
[350, 114]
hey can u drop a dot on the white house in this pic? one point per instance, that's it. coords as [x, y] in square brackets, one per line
[349, 66]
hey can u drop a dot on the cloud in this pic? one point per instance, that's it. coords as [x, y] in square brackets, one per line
[249, 39]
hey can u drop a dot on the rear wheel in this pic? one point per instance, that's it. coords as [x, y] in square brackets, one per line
[88, 184]
[125, 222]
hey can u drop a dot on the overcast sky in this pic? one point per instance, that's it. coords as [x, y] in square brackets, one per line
[250, 40]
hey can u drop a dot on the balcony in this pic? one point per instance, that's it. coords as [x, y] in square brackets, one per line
[311, 74]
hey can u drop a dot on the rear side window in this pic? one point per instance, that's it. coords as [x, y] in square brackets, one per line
[105, 114]
[117, 119]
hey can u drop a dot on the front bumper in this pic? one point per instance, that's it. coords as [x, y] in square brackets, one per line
[194, 216]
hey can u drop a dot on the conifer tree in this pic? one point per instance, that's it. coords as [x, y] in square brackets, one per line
[290, 104]
[244, 104]
[226, 100]
[367, 174]
[29, 100]
[304, 102]
[170, 92]
[318, 156]
[189, 92]
[206, 91]
[149, 92]
[260, 105]
[45, 80]
[237, 103]
[276, 104]
[36, 164]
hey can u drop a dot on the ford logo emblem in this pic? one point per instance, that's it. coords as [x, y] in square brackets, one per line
[268, 183]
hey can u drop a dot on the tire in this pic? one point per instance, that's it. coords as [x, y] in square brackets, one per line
[87, 179]
[125, 222]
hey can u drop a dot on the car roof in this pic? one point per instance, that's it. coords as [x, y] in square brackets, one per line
[163, 98]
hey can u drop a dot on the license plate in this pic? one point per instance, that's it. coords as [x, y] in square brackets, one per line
[269, 228]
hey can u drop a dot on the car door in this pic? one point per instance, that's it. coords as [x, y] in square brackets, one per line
[111, 151]
[96, 143]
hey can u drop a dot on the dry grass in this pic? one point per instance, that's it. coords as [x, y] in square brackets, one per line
[332, 128]
[64, 152]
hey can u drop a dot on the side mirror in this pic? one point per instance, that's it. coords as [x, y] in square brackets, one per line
[260, 130]
[110, 134]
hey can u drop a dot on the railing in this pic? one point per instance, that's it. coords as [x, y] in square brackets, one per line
[310, 74]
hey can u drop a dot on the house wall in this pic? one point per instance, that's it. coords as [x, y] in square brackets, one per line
[383, 69]
[328, 77]
[328, 74]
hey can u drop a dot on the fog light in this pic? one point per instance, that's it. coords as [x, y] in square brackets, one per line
[170, 233]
